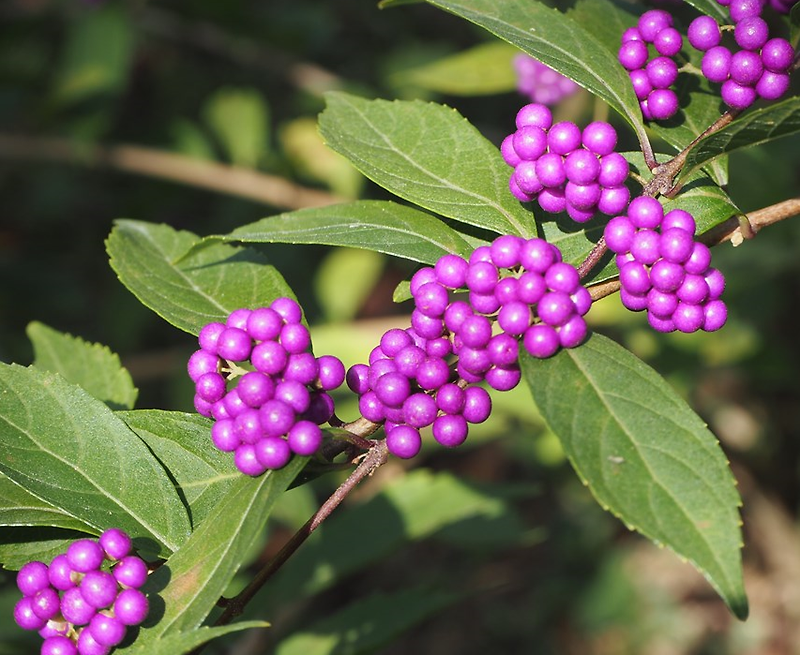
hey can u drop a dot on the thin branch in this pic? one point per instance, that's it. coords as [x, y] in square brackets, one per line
[230, 180]
[376, 457]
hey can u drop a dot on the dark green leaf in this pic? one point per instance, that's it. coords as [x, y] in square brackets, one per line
[19, 545]
[97, 54]
[712, 8]
[561, 43]
[89, 365]
[485, 69]
[20, 507]
[646, 456]
[605, 19]
[751, 129]
[180, 643]
[372, 224]
[428, 154]
[367, 624]
[182, 442]
[191, 582]
[794, 23]
[187, 286]
[70, 450]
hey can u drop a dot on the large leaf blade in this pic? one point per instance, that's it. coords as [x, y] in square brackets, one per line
[428, 154]
[558, 41]
[382, 226]
[646, 456]
[188, 286]
[89, 365]
[69, 449]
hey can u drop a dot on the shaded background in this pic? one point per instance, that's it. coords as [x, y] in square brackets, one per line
[496, 546]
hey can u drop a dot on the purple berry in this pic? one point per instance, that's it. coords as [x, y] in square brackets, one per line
[75, 609]
[645, 212]
[600, 137]
[130, 571]
[573, 332]
[46, 603]
[541, 340]
[210, 387]
[550, 170]
[537, 255]
[33, 577]
[642, 86]
[688, 318]
[661, 304]
[676, 245]
[618, 233]
[751, 33]
[25, 617]
[131, 607]
[652, 22]
[716, 283]
[484, 303]
[746, 67]
[614, 170]
[238, 318]
[716, 64]
[563, 138]
[529, 142]
[295, 338]
[668, 42]
[392, 389]
[302, 368]
[200, 363]
[234, 344]
[403, 441]
[475, 331]
[477, 405]
[582, 167]
[320, 409]
[678, 218]
[562, 277]
[331, 372]
[99, 589]
[583, 197]
[371, 408]
[646, 245]
[507, 290]
[246, 460]
[225, 435]
[451, 271]
[503, 378]
[107, 630]
[660, 324]
[633, 55]
[634, 277]
[515, 317]
[115, 543]
[737, 96]
[450, 398]
[777, 55]
[422, 276]
[85, 555]
[555, 308]
[635, 302]
[273, 453]
[508, 153]
[264, 324]
[772, 86]
[531, 287]
[419, 410]
[481, 278]
[248, 426]
[663, 104]
[715, 313]
[699, 260]
[58, 645]
[88, 646]
[209, 336]
[552, 200]
[614, 200]
[693, 290]
[582, 300]
[741, 9]
[450, 430]
[505, 251]
[526, 180]
[662, 73]
[704, 33]
[288, 309]
[534, 114]
[60, 573]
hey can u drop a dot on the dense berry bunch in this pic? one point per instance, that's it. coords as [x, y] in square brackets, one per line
[663, 270]
[474, 313]
[758, 67]
[541, 83]
[652, 77]
[256, 376]
[85, 600]
[565, 168]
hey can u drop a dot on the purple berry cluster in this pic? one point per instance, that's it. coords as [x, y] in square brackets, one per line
[565, 168]
[84, 602]
[663, 270]
[652, 77]
[757, 68]
[279, 398]
[522, 286]
[541, 83]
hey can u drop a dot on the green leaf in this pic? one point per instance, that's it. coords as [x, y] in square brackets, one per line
[182, 442]
[712, 8]
[69, 450]
[239, 117]
[191, 582]
[20, 545]
[344, 280]
[794, 25]
[187, 286]
[605, 19]
[645, 455]
[19, 507]
[367, 624]
[752, 129]
[180, 643]
[96, 56]
[89, 365]
[484, 69]
[428, 154]
[560, 42]
[371, 224]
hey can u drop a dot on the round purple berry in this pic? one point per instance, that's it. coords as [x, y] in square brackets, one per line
[662, 73]
[503, 378]
[130, 571]
[662, 104]
[115, 543]
[515, 317]
[59, 645]
[60, 573]
[88, 646]
[715, 313]
[75, 608]
[99, 588]
[288, 309]
[85, 555]
[529, 142]
[751, 33]
[772, 86]
[716, 64]
[633, 54]
[274, 452]
[600, 137]
[131, 607]
[614, 170]
[573, 332]
[477, 405]
[737, 96]
[645, 212]
[541, 340]
[563, 138]
[33, 577]
[295, 338]
[550, 170]
[704, 33]
[668, 42]
[264, 324]
[614, 200]
[746, 67]
[107, 630]
[505, 251]
[777, 55]
[451, 271]
[450, 430]
[234, 344]
[403, 441]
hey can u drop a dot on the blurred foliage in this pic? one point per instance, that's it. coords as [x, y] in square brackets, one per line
[540, 568]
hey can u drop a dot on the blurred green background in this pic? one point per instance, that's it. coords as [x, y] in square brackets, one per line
[138, 109]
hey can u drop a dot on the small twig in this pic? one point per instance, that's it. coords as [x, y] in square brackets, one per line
[375, 457]
[593, 258]
[232, 180]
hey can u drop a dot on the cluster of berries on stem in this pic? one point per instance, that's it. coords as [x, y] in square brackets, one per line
[84, 602]
[256, 376]
[663, 270]
[565, 168]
